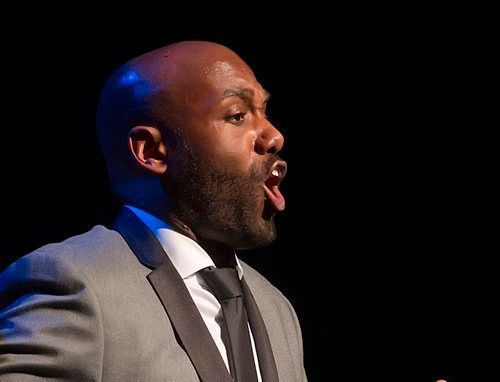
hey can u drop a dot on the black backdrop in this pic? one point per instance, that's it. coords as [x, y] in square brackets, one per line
[388, 248]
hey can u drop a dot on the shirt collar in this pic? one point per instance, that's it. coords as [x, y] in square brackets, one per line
[187, 256]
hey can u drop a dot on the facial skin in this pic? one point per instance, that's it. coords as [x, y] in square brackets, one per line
[211, 148]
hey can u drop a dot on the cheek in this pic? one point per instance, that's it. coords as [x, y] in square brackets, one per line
[235, 156]
[231, 148]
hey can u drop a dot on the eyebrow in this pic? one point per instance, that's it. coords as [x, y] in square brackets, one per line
[243, 93]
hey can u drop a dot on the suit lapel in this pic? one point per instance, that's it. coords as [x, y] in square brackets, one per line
[175, 298]
[263, 347]
[188, 324]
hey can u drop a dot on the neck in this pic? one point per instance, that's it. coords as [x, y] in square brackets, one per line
[221, 254]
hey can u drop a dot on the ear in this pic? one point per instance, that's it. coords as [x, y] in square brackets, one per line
[147, 148]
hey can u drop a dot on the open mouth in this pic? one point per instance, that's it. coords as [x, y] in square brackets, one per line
[275, 202]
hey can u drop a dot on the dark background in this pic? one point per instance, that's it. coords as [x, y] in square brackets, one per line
[388, 248]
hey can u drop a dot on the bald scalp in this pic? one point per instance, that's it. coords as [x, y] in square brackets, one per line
[146, 91]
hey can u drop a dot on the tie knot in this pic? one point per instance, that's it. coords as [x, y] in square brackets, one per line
[224, 282]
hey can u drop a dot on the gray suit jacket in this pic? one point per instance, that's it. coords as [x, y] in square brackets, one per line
[109, 306]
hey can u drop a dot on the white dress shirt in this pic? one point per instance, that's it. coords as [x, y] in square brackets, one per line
[188, 258]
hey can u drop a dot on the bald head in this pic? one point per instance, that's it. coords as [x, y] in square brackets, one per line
[156, 89]
[179, 61]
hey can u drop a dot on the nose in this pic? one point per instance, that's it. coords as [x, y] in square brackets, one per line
[269, 139]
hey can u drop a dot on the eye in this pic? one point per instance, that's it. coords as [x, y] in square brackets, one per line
[237, 118]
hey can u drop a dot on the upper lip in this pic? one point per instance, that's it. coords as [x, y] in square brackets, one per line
[274, 179]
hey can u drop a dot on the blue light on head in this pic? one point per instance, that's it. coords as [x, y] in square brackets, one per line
[133, 80]
[130, 78]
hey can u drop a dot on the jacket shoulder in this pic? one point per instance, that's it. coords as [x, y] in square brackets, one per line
[87, 250]
[98, 241]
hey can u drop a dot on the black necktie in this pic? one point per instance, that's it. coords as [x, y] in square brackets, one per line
[226, 287]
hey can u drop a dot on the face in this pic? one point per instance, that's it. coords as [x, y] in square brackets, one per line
[224, 172]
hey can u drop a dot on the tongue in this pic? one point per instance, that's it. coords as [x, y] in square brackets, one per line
[276, 198]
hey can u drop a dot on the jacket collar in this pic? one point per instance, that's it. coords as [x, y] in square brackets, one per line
[139, 238]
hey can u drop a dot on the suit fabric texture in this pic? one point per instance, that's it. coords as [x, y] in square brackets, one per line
[108, 306]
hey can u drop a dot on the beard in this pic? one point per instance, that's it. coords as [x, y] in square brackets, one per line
[218, 204]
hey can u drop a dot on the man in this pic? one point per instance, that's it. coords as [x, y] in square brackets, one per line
[162, 296]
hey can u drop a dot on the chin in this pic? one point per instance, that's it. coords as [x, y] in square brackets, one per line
[258, 237]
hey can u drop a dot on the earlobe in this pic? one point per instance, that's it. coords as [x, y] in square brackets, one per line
[147, 149]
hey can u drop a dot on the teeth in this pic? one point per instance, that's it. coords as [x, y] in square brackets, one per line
[276, 172]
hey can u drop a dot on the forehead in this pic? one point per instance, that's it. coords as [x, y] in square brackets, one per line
[225, 75]
[221, 70]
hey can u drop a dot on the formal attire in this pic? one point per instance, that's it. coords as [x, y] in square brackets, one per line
[189, 260]
[110, 305]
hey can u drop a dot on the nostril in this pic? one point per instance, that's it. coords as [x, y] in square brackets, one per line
[272, 150]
